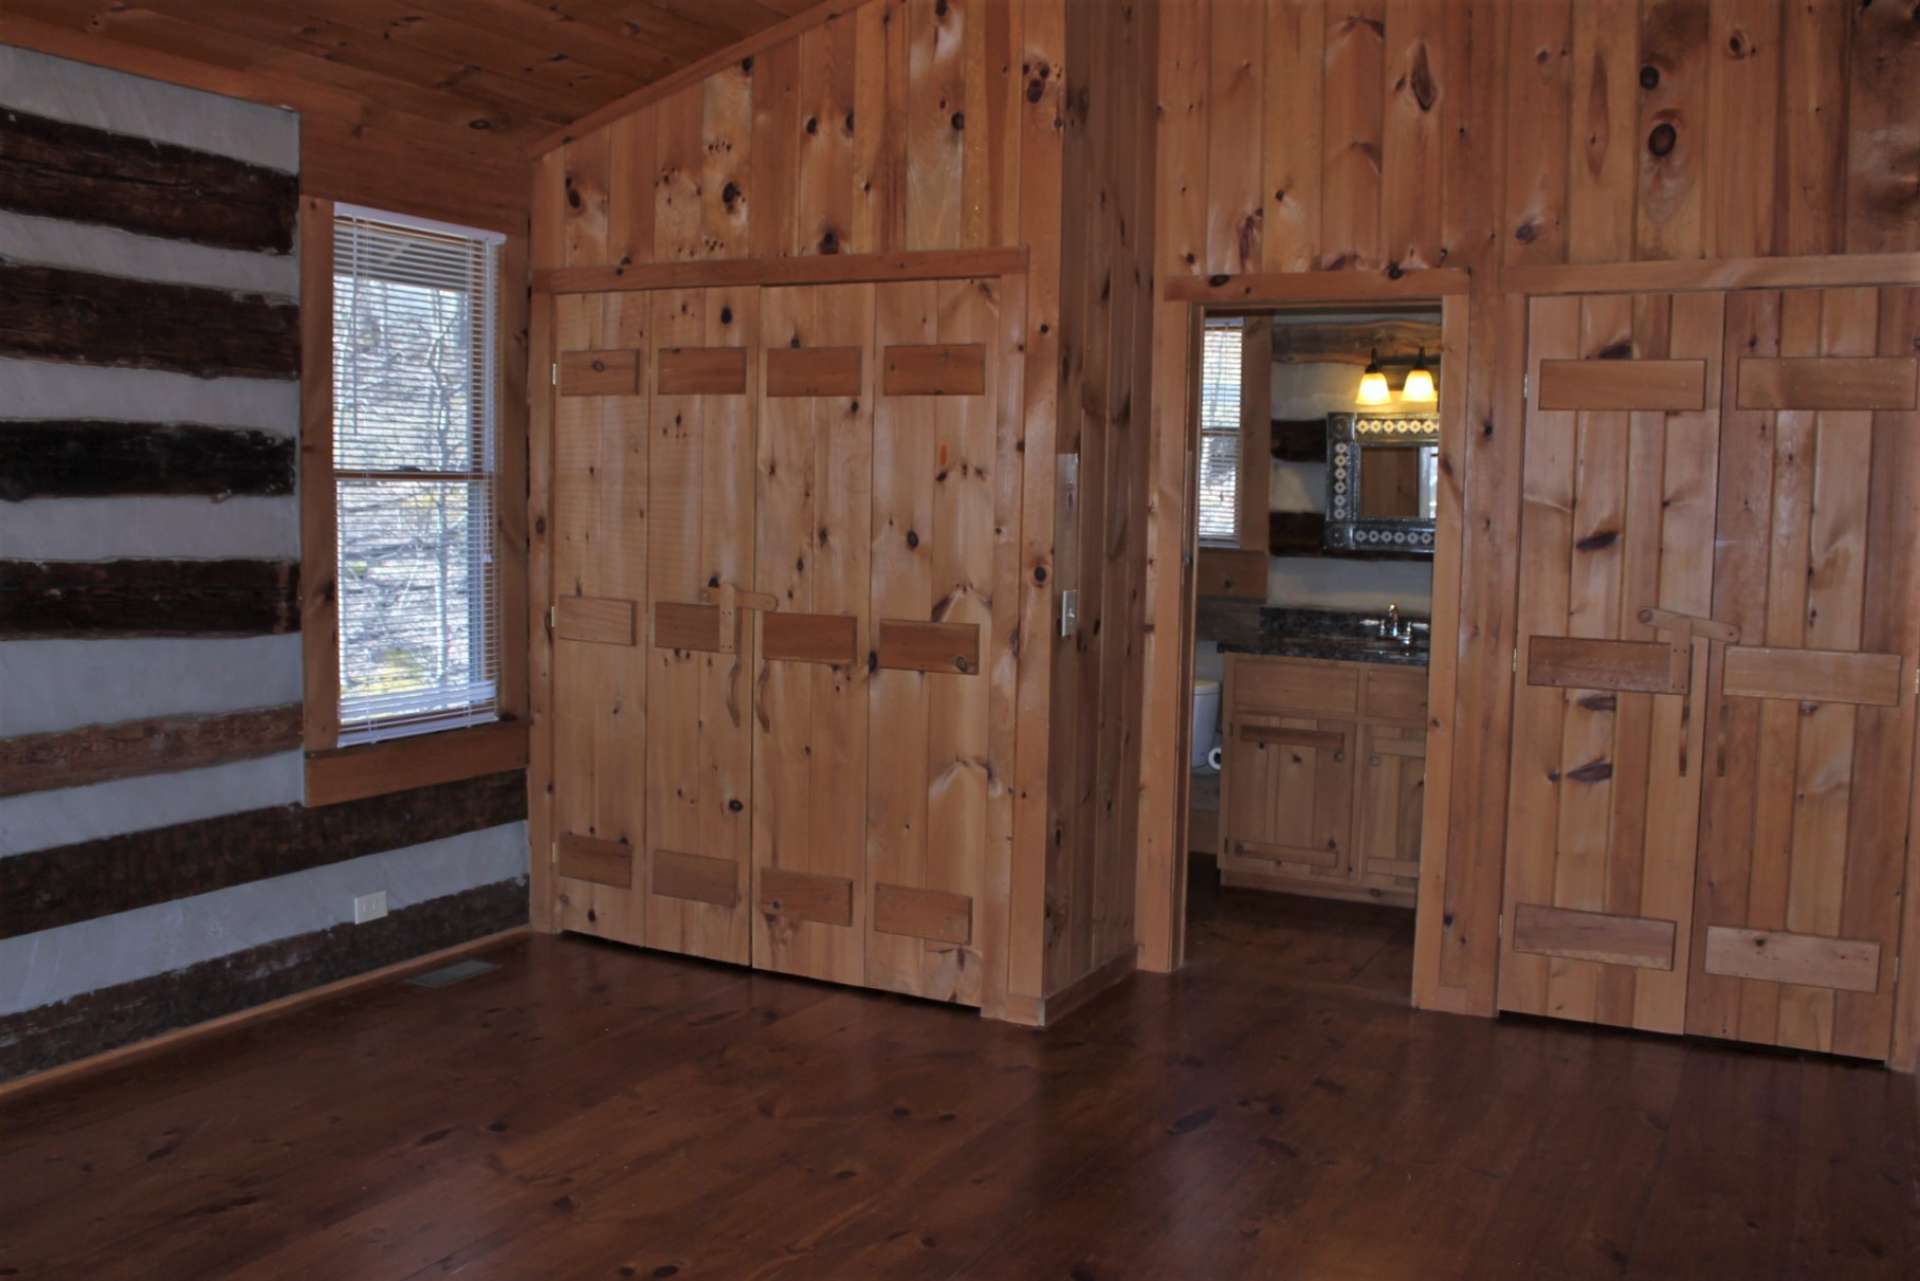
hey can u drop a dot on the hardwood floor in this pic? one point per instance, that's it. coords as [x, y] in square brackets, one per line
[1273, 1111]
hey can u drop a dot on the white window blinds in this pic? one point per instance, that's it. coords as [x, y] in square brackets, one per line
[415, 309]
[1220, 433]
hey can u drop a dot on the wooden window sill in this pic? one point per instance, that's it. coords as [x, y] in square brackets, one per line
[398, 765]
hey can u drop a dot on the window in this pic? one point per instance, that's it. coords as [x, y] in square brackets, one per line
[415, 308]
[1220, 430]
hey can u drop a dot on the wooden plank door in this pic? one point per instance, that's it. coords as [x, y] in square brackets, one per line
[813, 545]
[1288, 795]
[1622, 445]
[932, 610]
[700, 514]
[1391, 793]
[600, 559]
[1810, 727]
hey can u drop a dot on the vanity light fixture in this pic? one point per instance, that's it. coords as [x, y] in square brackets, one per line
[1373, 384]
[1419, 388]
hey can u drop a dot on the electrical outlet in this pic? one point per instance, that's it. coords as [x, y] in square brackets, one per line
[369, 907]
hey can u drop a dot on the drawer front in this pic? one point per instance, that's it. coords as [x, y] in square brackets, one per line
[1396, 693]
[1285, 685]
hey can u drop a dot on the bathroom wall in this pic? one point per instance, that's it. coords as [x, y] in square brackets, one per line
[1311, 390]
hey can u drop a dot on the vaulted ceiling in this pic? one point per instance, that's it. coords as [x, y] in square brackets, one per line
[514, 70]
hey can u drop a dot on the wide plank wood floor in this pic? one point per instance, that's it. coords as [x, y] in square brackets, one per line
[1273, 1111]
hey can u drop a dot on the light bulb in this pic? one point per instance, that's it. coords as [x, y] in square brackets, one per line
[1373, 385]
[1419, 389]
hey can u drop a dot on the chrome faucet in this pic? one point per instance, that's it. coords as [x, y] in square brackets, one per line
[1395, 628]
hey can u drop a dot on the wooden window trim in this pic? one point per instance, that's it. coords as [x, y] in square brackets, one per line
[335, 774]
[402, 764]
[1252, 496]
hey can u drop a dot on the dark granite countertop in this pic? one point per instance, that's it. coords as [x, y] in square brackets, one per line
[1319, 633]
[1344, 651]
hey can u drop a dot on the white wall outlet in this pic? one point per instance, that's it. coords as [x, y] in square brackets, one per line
[369, 907]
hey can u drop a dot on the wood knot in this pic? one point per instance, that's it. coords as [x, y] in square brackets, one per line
[1662, 139]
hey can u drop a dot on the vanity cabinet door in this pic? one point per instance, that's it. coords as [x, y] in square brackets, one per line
[1391, 787]
[1289, 795]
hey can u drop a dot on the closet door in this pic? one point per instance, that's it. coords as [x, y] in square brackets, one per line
[932, 611]
[600, 555]
[698, 766]
[814, 535]
[1810, 724]
[1623, 440]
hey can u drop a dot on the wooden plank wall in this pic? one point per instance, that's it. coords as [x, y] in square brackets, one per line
[902, 126]
[1398, 134]
[1105, 360]
[891, 128]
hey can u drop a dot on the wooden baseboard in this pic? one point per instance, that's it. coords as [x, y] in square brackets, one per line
[1048, 1011]
[1242, 878]
[167, 1040]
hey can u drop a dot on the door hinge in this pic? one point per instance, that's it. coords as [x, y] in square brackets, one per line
[1526, 387]
[1515, 666]
[553, 374]
[1069, 611]
[1500, 927]
[553, 619]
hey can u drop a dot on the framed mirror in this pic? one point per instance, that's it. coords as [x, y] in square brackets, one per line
[1383, 474]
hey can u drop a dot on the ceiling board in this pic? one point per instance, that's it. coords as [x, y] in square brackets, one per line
[509, 71]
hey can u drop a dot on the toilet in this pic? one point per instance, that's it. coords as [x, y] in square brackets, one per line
[1206, 720]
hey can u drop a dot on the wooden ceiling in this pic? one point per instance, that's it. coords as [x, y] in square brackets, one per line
[513, 71]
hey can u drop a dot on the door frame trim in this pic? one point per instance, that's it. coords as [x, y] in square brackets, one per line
[1880, 271]
[810, 269]
[1161, 883]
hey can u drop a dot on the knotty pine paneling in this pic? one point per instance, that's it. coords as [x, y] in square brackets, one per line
[905, 126]
[890, 127]
[1567, 131]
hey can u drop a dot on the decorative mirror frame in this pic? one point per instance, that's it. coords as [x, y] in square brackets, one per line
[1346, 531]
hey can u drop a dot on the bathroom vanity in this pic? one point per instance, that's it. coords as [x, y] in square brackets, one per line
[1324, 741]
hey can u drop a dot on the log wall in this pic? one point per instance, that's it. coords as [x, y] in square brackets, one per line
[158, 864]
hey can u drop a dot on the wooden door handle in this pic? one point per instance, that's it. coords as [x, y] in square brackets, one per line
[1668, 620]
[731, 600]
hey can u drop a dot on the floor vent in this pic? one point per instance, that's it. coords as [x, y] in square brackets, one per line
[448, 975]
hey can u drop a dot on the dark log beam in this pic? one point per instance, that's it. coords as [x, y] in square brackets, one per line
[79, 317]
[89, 459]
[80, 174]
[49, 1035]
[162, 744]
[42, 599]
[1355, 342]
[69, 883]
[1299, 440]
